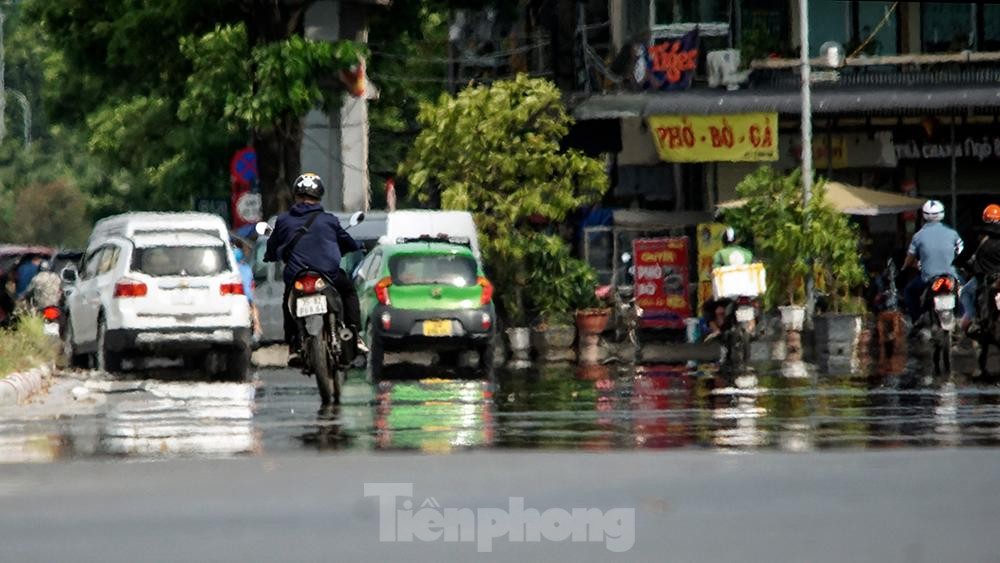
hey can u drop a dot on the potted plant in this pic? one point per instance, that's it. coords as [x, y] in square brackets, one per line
[798, 240]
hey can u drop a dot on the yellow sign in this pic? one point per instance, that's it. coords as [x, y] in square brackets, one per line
[709, 242]
[716, 138]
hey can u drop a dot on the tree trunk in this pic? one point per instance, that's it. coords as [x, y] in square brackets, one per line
[279, 147]
[278, 162]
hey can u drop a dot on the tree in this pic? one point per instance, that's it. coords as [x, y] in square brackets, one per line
[168, 89]
[266, 88]
[794, 239]
[53, 213]
[494, 150]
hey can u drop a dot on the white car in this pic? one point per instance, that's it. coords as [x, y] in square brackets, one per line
[163, 288]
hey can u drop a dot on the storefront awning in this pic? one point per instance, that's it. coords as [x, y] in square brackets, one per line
[858, 100]
[853, 200]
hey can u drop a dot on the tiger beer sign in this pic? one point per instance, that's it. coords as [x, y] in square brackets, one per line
[746, 137]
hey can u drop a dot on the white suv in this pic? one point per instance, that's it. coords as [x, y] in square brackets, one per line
[160, 284]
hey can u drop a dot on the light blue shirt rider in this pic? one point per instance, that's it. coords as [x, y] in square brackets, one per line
[936, 245]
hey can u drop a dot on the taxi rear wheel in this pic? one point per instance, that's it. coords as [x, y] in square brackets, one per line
[376, 355]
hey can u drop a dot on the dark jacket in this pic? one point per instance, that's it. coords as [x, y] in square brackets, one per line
[319, 249]
[986, 259]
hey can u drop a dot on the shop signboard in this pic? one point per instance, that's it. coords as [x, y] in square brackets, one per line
[709, 242]
[746, 137]
[661, 281]
[670, 65]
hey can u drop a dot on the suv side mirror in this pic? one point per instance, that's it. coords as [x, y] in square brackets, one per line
[356, 218]
[69, 274]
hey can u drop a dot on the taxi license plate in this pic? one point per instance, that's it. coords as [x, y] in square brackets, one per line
[312, 305]
[437, 328]
[944, 302]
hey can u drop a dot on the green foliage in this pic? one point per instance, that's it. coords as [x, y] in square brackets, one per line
[253, 87]
[795, 240]
[494, 150]
[53, 213]
[24, 347]
[557, 283]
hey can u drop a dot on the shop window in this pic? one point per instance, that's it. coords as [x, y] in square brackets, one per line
[851, 23]
[764, 29]
[829, 20]
[690, 11]
[991, 27]
[870, 15]
[946, 28]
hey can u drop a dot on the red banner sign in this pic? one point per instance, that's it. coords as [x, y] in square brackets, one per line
[661, 281]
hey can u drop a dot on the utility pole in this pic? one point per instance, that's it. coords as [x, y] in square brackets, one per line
[3, 91]
[807, 152]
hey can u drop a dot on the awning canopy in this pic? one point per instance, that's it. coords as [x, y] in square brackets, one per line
[853, 200]
[825, 100]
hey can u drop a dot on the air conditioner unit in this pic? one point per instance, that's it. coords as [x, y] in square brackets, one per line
[724, 69]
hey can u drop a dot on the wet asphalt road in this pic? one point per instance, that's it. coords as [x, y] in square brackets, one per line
[844, 468]
[173, 414]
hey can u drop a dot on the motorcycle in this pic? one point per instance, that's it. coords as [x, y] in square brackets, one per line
[988, 318]
[939, 302]
[327, 344]
[889, 327]
[738, 290]
[741, 312]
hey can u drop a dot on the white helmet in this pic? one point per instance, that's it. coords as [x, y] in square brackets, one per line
[933, 210]
[729, 236]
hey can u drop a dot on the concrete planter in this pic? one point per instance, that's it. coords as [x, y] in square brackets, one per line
[837, 342]
[519, 341]
[792, 316]
[554, 343]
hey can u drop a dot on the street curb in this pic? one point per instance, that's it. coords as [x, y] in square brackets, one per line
[16, 388]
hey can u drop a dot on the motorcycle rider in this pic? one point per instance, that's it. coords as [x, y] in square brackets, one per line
[732, 254]
[933, 249]
[985, 260]
[319, 248]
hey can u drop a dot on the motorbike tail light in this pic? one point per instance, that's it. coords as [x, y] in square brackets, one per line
[744, 301]
[51, 313]
[943, 284]
[231, 289]
[487, 294]
[386, 321]
[130, 288]
[382, 290]
[309, 284]
[487, 321]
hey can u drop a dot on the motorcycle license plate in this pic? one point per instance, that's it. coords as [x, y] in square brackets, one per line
[944, 302]
[437, 328]
[51, 329]
[744, 314]
[311, 305]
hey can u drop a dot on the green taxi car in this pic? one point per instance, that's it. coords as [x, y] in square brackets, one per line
[425, 294]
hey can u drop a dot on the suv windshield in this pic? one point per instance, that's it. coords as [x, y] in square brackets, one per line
[180, 260]
[416, 269]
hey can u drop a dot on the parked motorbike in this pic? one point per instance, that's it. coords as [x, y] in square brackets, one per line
[939, 302]
[327, 344]
[988, 319]
[620, 296]
[890, 328]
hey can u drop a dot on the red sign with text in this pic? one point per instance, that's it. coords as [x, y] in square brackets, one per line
[661, 281]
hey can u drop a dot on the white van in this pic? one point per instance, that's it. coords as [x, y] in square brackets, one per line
[159, 284]
[413, 223]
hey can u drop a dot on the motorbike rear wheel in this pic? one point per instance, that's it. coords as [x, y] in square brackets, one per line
[317, 355]
[737, 348]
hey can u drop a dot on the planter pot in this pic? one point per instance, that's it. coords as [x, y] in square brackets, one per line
[519, 339]
[554, 343]
[592, 321]
[793, 317]
[837, 342]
